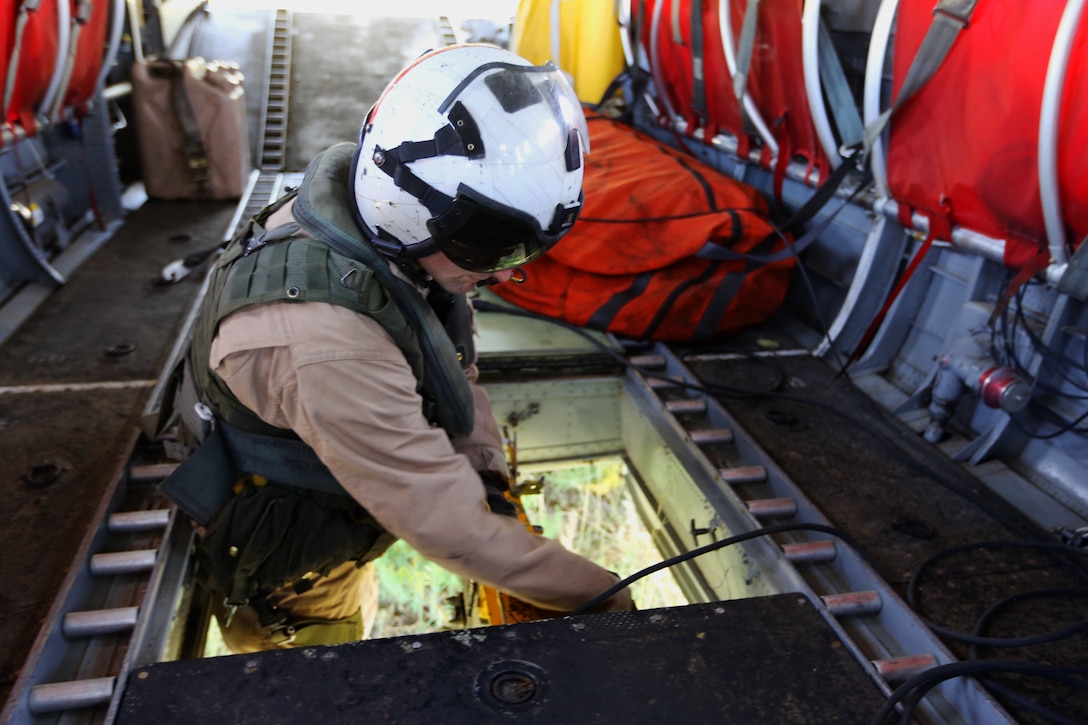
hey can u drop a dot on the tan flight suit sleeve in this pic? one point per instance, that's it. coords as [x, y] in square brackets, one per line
[339, 381]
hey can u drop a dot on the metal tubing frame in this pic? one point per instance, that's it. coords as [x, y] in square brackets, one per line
[810, 62]
[1049, 129]
[874, 78]
[725, 28]
[64, 30]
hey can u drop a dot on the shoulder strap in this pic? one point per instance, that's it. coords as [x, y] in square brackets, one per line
[324, 210]
[744, 50]
[949, 18]
[196, 153]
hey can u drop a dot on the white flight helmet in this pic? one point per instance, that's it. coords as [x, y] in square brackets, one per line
[475, 152]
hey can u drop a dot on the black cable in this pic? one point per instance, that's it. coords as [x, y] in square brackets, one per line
[916, 577]
[1042, 347]
[714, 546]
[1058, 361]
[811, 289]
[913, 690]
[1068, 427]
[1028, 704]
[1055, 593]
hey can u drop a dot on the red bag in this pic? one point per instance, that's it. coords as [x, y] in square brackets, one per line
[1073, 139]
[89, 54]
[776, 82]
[654, 254]
[673, 49]
[964, 148]
[36, 56]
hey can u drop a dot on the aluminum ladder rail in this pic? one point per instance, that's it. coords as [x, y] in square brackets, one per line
[121, 568]
[273, 123]
[115, 608]
[750, 491]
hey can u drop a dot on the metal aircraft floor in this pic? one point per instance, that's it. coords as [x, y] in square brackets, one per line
[74, 379]
[75, 375]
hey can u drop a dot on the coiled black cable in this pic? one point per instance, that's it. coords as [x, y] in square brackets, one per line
[916, 578]
[911, 692]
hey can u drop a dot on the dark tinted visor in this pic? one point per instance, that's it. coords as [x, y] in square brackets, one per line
[481, 238]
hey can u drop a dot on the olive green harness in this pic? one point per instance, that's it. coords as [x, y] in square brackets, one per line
[322, 258]
[334, 263]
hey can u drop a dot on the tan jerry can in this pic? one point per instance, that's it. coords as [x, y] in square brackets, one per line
[191, 127]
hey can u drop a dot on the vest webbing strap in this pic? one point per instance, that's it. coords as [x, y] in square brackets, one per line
[698, 74]
[949, 18]
[283, 460]
[744, 51]
[261, 266]
[324, 209]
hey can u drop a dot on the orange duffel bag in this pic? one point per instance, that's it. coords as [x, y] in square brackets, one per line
[666, 247]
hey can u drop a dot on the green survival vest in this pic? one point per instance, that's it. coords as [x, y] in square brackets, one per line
[255, 539]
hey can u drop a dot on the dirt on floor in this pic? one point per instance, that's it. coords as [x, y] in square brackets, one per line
[76, 377]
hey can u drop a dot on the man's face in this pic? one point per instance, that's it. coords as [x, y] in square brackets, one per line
[456, 280]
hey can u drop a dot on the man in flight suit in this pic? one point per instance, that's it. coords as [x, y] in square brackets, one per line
[332, 359]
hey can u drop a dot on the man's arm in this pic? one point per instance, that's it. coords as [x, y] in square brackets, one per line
[338, 381]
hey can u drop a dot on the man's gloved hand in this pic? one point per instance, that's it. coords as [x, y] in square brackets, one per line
[502, 500]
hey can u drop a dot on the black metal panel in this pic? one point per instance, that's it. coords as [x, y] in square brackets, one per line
[763, 660]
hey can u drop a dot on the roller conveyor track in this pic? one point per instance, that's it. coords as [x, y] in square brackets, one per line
[747, 490]
[273, 124]
[81, 655]
[126, 582]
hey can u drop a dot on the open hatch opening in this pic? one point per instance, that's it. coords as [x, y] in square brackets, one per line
[591, 506]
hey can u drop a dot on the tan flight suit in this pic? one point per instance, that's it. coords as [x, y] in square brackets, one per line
[337, 379]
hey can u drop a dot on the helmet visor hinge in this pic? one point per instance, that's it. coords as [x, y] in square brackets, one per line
[468, 132]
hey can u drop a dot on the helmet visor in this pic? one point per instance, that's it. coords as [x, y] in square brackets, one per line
[537, 97]
[481, 236]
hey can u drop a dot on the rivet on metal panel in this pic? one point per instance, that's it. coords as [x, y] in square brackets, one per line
[57, 696]
[132, 521]
[101, 621]
[122, 562]
[151, 473]
[663, 383]
[650, 362]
